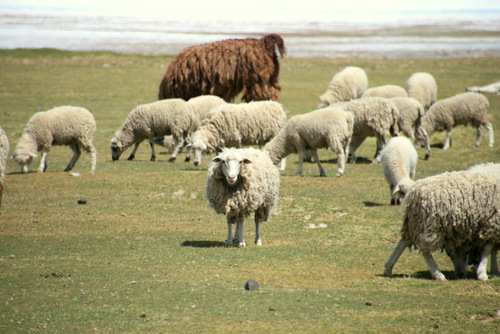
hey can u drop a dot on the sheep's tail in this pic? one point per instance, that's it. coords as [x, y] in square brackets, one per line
[273, 42]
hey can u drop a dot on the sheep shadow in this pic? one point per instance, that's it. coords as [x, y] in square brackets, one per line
[372, 204]
[203, 244]
[426, 275]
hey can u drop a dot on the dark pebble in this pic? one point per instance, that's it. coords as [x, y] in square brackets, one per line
[252, 285]
[82, 201]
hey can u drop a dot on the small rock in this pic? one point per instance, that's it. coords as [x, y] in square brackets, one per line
[252, 285]
[272, 308]
[75, 174]
[82, 201]
[369, 303]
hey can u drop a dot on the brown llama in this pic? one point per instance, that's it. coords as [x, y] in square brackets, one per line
[226, 68]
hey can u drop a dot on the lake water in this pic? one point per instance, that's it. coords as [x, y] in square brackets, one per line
[306, 34]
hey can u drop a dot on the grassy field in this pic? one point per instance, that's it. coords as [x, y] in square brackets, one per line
[146, 253]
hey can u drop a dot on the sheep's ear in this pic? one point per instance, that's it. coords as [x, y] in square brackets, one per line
[216, 159]
[33, 155]
[396, 190]
[189, 145]
[246, 161]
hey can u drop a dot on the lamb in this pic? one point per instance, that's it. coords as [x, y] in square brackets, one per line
[386, 91]
[423, 87]
[460, 109]
[451, 211]
[328, 127]
[236, 125]
[346, 85]
[399, 161]
[148, 121]
[241, 182]
[4, 154]
[373, 116]
[65, 125]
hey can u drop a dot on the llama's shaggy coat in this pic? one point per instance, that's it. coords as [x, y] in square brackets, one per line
[226, 68]
[237, 125]
[399, 161]
[148, 121]
[241, 182]
[460, 109]
[4, 155]
[346, 85]
[324, 128]
[423, 87]
[386, 91]
[66, 125]
[373, 116]
[451, 211]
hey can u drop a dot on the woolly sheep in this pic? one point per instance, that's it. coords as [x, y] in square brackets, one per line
[373, 116]
[66, 125]
[423, 87]
[346, 85]
[329, 127]
[241, 182]
[236, 125]
[386, 91]
[450, 211]
[399, 161]
[410, 115]
[148, 121]
[4, 154]
[460, 109]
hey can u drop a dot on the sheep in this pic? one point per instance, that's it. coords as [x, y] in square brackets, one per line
[460, 109]
[410, 115]
[226, 68]
[386, 91]
[328, 127]
[241, 182]
[148, 121]
[346, 85]
[423, 87]
[4, 154]
[373, 116]
[399, 161]
[236, 125]
[450, 211]
[65, 125]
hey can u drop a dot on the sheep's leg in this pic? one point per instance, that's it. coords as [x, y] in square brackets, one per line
[283, 164]
[460, 261]
[93, 160]
[189, 151]
[132, 155]
[494, 261]
[380, 146]
[230, 222]
[76, 155]
[259, 218]
[483, 263]
[355, 143]
[177, 150]
[153, 152]
[43, 162]
[425, 137]
[342, 154]
[479, 135]
[239, 235]
[393, 258]
[491, 138]
[433, 267]
[447, 142]
[314, 153]
[301, 160]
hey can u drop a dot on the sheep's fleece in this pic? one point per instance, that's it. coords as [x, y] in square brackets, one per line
[346, 85]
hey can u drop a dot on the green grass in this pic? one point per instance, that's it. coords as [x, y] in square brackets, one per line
[145, 254]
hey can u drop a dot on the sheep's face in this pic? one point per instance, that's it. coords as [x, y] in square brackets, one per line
[198, 148]
[24, 160]
[116, 149]
[231, 166]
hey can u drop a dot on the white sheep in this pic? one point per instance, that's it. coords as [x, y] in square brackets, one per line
[4, 154]
[373, 116]
[346, 85]
[410, 115]
[399, 161]
[66, 125]
[148, 121]
[460, 109]
[423, 87]
[324, 128]
[386, 91]
[450, 211]
[241, 182]
[237, 125]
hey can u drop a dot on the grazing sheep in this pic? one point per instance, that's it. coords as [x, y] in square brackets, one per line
[4, 154]
[410, 115]
[237, 125]
[373, 116]
[346, 85]
[460, 109]
[386, 91]
[328, 127]
[226, 68]
[241, 182]
[423, 87]
[148, 121]
[399, 161]
[451, 211]
[66, 125]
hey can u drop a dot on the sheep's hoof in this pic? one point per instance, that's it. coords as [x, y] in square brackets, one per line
[427, 156]
[187, 159]
[388, 272]
[482, 277]
[152, 158]
[130, 158]
[258, 242]
[171, 159]
[393, 201]
[440, 277]
[339, 174]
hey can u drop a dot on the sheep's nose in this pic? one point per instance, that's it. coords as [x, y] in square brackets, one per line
[196, 163]
[231, 179]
